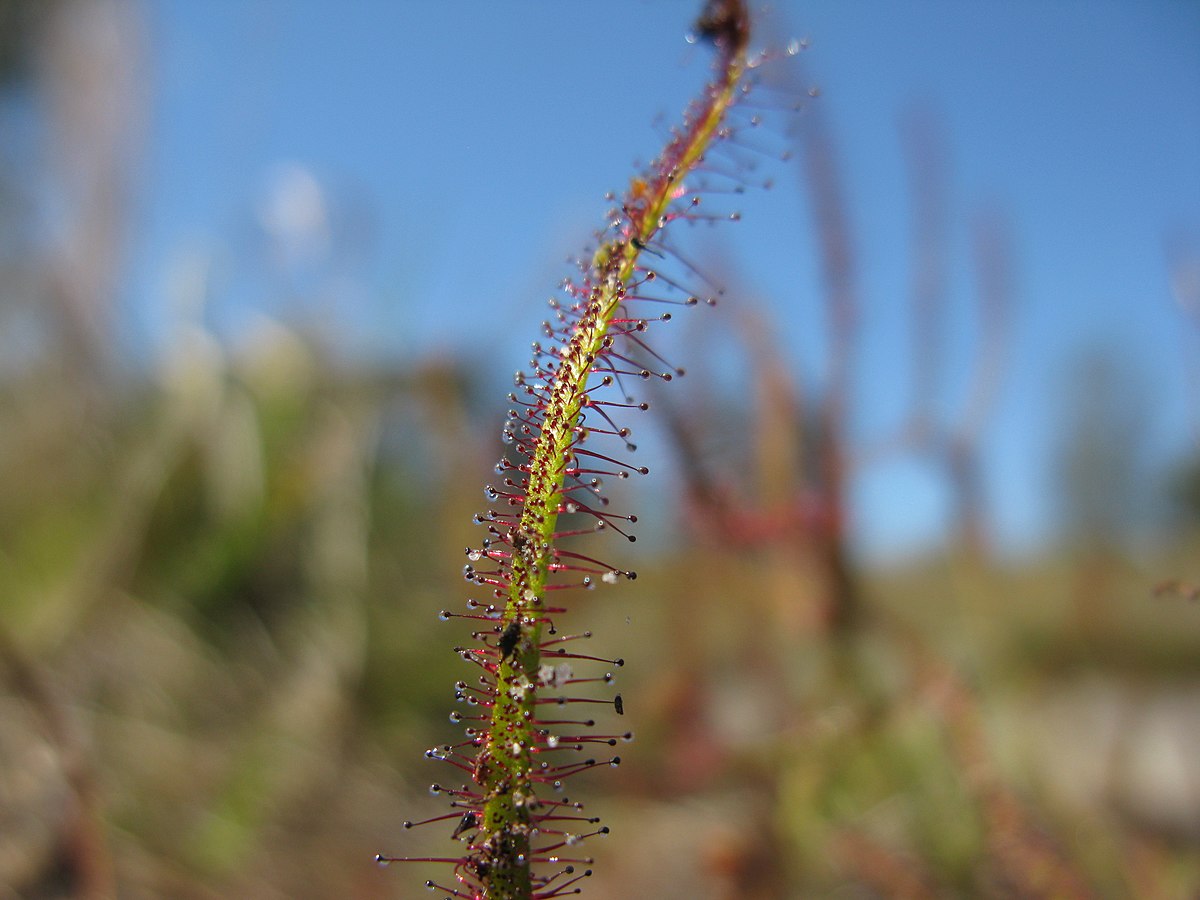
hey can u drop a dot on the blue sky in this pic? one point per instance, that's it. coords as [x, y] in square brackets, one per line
[460, 152]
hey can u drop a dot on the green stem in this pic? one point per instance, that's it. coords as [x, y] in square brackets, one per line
[504, 764]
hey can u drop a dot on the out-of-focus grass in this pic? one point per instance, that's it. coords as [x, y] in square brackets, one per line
[224, 587]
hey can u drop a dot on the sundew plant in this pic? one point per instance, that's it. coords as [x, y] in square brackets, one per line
[529, 714]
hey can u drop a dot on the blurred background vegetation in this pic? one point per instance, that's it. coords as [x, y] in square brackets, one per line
[220, 658]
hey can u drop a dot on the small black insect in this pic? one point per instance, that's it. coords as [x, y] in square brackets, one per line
[468, 822]
[619, 704]
[508, 639]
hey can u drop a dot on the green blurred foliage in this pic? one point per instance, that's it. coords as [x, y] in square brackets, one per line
[226, 583]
